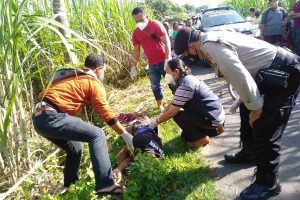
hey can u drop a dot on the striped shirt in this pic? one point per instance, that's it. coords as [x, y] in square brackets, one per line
[182, 95]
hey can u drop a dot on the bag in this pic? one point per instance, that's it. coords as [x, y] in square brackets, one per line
[64, 73]
[273, 78]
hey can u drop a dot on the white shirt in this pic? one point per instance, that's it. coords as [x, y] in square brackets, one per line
[238, 57]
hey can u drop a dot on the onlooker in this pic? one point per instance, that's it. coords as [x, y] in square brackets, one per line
[257, 17]
[54, 119]
[175, 30]
[167, 27]
[188, 22]
[272, 22]
[152, 36]
[295, 14]
[195, 108]
[251, 14]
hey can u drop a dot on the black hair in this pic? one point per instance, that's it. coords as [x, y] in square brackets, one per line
[252, 9]
[195, 36]
[138, 10]
[93, 61]
[177, 63]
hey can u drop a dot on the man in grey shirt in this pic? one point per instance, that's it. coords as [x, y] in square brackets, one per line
[239, 58]
[272, 22]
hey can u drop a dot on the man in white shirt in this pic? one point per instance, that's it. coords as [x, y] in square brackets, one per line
[239, 58]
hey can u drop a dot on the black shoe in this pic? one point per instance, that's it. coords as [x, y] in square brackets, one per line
[240, 157]
[258, 191]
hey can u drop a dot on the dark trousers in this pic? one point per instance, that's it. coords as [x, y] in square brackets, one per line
[247, 140]
[194, 127]
[67, 132]
[273, 39]
[268, 129]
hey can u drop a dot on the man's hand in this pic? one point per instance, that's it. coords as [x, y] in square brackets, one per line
[117, 174]
[127, 139]
[254, 115]
[133, 72]
[166, 63]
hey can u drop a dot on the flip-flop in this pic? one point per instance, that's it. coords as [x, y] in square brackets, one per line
[112, 192]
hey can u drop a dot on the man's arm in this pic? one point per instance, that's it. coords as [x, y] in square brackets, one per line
[168, 114]
[136, 54]
[295, 15]
[166, 41]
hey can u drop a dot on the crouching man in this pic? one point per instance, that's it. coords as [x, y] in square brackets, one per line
[54, 119]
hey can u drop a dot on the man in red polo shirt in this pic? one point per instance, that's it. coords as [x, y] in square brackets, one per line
[153, 38]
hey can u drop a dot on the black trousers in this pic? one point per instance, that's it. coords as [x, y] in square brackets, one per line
[265, 136]
[194, 127]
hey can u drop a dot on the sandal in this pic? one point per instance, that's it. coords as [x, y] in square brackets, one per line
[116, 190]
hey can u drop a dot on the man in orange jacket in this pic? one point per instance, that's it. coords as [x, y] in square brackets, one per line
[54, 119]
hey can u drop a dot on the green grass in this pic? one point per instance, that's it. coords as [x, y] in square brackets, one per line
[184, 174]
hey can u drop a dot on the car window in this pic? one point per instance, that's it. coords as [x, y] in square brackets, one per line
[216, 19]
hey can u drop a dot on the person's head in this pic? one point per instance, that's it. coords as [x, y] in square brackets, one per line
[140, 17]
[180, 25]
[188, 22]
[187, 43]
[273, 4]
[252, 11]
[167, 26]
[175, 26]
[176, 69]
[96, 63]
[257, 13]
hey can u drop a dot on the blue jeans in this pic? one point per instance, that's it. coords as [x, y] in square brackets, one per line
[155, 72]
[296, 40]
[67, 132]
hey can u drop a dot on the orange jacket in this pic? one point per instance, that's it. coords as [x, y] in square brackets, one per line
[70, 95]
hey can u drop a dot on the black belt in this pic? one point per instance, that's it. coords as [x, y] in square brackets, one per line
[49, 103]
[281, 58]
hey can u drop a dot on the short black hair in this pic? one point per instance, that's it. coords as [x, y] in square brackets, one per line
[93, 61]
[183, 38]
[138, 10]
[177, 63]
[252, 9]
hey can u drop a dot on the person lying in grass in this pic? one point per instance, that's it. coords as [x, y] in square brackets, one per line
[195, 108]
[145, 139]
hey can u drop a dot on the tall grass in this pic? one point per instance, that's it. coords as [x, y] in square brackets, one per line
[244, 5]
[31, 46]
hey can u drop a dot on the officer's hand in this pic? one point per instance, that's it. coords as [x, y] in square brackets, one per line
[127, 139]
[254, 115]
[133, 72]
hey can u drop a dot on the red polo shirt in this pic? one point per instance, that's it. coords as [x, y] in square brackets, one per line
[153, 48]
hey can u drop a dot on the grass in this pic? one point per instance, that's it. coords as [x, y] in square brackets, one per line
[184, 174]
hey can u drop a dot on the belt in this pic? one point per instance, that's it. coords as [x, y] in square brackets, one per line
[281, 58]
[41, 106]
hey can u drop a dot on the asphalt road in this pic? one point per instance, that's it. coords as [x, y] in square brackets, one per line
[232, 179]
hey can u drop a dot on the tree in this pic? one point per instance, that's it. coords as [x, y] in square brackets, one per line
[59, 9]
[190, 8]
[198, 10]
[163, 8]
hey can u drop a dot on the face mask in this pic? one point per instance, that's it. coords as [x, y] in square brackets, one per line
[169, 79]
[101, 76]
[180, 26]
[142, 25]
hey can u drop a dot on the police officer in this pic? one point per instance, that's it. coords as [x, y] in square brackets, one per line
[242, 59]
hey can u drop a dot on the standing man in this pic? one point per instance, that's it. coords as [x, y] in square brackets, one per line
[55, 120]
[272, 23]
[295, 14]
[269, 105]
[152, 36]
